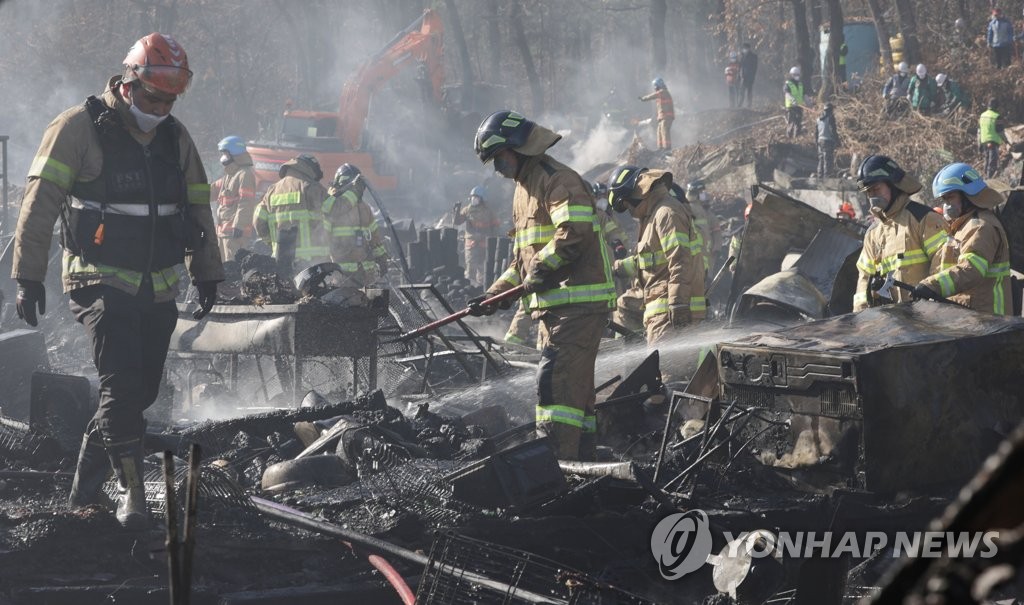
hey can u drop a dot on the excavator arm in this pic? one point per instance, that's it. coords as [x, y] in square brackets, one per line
[418, 44]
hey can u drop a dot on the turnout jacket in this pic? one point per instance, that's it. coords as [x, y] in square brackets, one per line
[356, 242]
[973, 266]
[236, 196]
[904, 239]
[296, 201]
[71, 157]
[558, 241]
[668, 263]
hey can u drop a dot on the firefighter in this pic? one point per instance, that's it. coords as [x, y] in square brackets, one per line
[236, 197]
[666, 113]
[973, 266]
[356, 242]
[290, 215]
[481, 223]
[793, 91]
[905, 236]
[563, 265]
[990, 137]
[668, 262]
[696, 197]
[129, 183]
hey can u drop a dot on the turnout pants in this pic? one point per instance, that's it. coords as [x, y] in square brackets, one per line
[665, 133]
[565, 381]
[130, 336]
[476, 261]
[520, 327]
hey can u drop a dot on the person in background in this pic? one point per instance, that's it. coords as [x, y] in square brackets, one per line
[990, 137]
[666, 112]
[481, 223]
[733, 81]
[748, 72]
[999, 36]
[236, 197]
[828, 140]
[793, 91]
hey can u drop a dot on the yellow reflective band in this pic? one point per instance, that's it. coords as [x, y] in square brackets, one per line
[560, 413]
[999, 270]
[549, 257]
[648, 261]
[628, 265]
[891, 263]
[945, 283]
[286, 199]
[532, 236]
[492, 140]
[513, 339]
[933, 243]
[49, 169]
[328, 204]
[567, 295]
[572, 214]
[976, 261]
[658, 306]
[998, 298]
[590, 423]
[343, 231]
[698, 303]
[379, 251]
[675, 239]
[163, 279]
[511, 276]
[372, 227]
[198, 193]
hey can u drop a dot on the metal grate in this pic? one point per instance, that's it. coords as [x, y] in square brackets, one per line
[19, 442]
[751, 397]
[217, 491]
[464, 570]
[839, 401]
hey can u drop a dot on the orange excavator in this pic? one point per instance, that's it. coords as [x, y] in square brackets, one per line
[337, 138]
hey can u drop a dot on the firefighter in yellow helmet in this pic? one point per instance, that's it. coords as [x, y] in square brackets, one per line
[669, 262]
[236, 197]
[356, 242]
[129, 184]
[563, 263]
[973, 266]
[905, 236]
[290, 215]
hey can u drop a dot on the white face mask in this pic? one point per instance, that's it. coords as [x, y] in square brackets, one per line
[146, 121]
[950, 211]
[225, 159]
[878, 202]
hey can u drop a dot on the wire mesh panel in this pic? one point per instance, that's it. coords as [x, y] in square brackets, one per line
[463, 570]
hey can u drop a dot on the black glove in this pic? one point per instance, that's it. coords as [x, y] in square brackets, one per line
[207, 297]
[31, 294]
[925, 293]
[618, 249]
[478, 310]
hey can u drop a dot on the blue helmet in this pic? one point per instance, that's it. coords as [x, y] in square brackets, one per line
[658, 83]
[233, 145]
[479, 192]
[957, 177]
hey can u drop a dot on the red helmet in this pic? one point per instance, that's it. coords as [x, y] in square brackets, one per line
[160, 63]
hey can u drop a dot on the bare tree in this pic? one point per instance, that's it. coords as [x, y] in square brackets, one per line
[831, 78]
[805, 56]
[521, 42]
[494, 39]
[908, 25]
[882, 30]
[659, 11]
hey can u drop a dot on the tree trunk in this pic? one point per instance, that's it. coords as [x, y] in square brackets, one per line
[831, 78]
[659, 11]
[455, 23]
[908, 25]
[493, 40]
[815, 34]
[882, 30]
[804, 54]
[519, 38]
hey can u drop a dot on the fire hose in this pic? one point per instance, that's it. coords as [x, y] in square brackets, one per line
[444, 321]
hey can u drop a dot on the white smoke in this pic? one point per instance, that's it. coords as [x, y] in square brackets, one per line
[604, 143]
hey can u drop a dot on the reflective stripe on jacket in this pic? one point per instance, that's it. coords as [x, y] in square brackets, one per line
[356, 241]
[70, 153]
[903, 240]
[557, 240]
[294, 202]
[973, 266]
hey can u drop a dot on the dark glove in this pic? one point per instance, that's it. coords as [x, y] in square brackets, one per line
[925, 293]
[478, 310]
[207, 297]
[618, 249]
[31, 294]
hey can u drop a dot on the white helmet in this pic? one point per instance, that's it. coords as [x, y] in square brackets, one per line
[940, 79]
[903, 68]
[959, 23]
[794, 71]
[921, 71]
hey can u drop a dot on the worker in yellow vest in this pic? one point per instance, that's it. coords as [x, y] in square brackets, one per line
[793, 90]
[990, 137]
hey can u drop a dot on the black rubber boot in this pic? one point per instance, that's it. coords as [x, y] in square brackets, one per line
[126, 458]
[91, 472]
